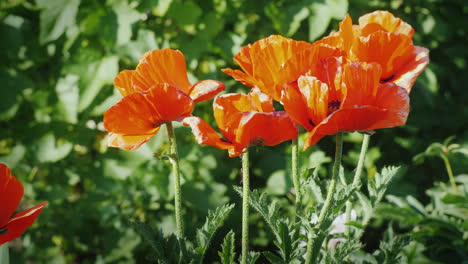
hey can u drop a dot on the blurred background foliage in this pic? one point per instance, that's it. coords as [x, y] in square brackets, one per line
[58, 61]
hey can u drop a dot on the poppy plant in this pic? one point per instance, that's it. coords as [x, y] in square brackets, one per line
[272, 62]
[343, 95]
[244, 120]
[11, 192]
[385, 39]
[156, 92]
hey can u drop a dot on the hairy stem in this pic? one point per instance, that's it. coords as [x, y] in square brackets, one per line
[450, 173]
[4, 254]
[245, 205]
[174, 158]
[357, 176]
[295, 175]
[313, 246]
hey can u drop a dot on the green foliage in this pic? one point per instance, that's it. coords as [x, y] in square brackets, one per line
[59, 58]
[228, 253]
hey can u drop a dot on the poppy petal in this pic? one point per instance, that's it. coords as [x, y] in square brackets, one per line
[22, 220]
[240, 76]
[227, 111]
[316, 95]
[204, 133]
[162, 66]
[170, 102]
[295, 105]
[351, 119]
[409, 72]
[387, 21]
[128, 142]
[395, 100]
[206, 89]
[123, 82]
[11, 193]
[132, 115]
[256, 129]
[262, 102]
[362, 82]
[391, 51]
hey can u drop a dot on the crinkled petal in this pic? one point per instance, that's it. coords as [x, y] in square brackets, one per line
[387, 21]
[123, 82]
[11, 192]
[18, 224]
[391, 51]
[316, 95]
[267, 129]
[132, 115]
[204, 133]
[396, 101]
[171, 103]
[227, 111]
[128, 142]
[296, 106]
[407, 75]
[205, 90]
[362, 82]
[162, 66]
[261, 101]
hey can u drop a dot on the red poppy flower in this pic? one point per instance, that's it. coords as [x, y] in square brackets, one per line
[382, 38]
[243, 120]
[344, 96]
[272, 62]
[157, 91]
[11, 192]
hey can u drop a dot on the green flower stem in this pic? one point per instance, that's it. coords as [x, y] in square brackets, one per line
[295, 175]
[4, 256]
[174, 158]
[357, 175]
[245, 205]
[313, 246]
[450, 173]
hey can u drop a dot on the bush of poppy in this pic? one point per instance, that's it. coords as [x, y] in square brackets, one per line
[116, 154]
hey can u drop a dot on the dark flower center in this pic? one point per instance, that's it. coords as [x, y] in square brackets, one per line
[257, 141]
[387, 79]
[3, 231]
[333, 106]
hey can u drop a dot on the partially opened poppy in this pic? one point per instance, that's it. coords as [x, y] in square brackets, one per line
[382, 38]
[11, 192]
[156, 92]
[272, 62]
[344, 96]
[244, 120]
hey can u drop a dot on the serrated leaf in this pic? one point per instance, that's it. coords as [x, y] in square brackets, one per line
[272, 258]
[56, 16]
[416, 205]
[212, 223]
[228, 253]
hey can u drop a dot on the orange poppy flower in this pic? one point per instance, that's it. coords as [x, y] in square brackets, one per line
[382, 38]
[243, 120]
[157, 91]
[344, 96]
[11, 192]
[272, 62]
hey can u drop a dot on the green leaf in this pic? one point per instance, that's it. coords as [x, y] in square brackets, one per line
[279, 183]
[320, 16]
[67, 93]
[13, 84]
[287, 20]
[94, 77]
[126, 16]
[56, 16]
[338, 8]
[416, 205]
[50, 149]
[185, 13]
[212, 223]
[228, 253]
[272, 258]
